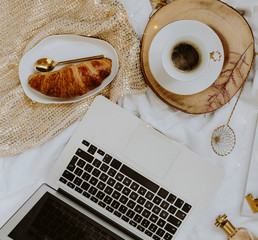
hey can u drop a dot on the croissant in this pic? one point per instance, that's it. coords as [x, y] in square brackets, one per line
[72, 80]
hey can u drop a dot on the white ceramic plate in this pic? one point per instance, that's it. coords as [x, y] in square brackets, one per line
[60, 48]
[198, 34]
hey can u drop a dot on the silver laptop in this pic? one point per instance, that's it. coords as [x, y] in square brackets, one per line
[117, 178]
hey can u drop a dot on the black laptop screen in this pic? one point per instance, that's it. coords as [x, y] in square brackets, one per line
[51, 218]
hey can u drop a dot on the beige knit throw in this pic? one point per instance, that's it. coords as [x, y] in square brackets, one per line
[24, 123]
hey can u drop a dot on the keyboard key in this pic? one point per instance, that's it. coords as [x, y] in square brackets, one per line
[134, 186]
[173, 220]
[179, 203]
[71, 166]
[181, 215]
[131, 204]
[118, 186]
[168, 236]
[78, 171]
[118, 214]
[149, 205]
[111, 172]
[110, 209]
[126, 191]
[126, 219]
[85, 194]
[122, 209]
[164, 205]
[156, 209]
[104, 167]
[141, 200]
[95, 172]
[93, 181]
[127, 181]
[101, 204]
[139, 178]
[157, 200]
[92, 149]
[85, 186]
[100, 152]
[138, 208]
[152, 227]
[137, 218]
[149, 195]
[139, 227]
[107, 158]
[146, 213]
[156, 237]
[160, 232]
[103, 177]
[163, 214]
[153, 218]
[93, 190]
[133, 195]
[170, 228]
[85, 143]
[130, 213]
[172, 209]
[148, 233]
[161, 223]
[100, 195]
[133, 223]
[68, 175]
[115, 204]
[93, 199]
[115, 164]
[77, 181]
[81, 163]
[108, 190]
[71, 185]
[171, 198]
[123, 199]
[86, 176]
[61, 179]
[116, 194]
[88, 168]
[163, 193]
[107, 199]
[142, 190]
[111, 182]
[186, 208]
[119, 177]
[145, 223]
[84, 155]
[96, 163]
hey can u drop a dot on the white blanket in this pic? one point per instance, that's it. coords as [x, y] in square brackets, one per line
[22, 174]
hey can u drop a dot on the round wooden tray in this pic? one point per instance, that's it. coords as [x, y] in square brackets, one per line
[238, 43]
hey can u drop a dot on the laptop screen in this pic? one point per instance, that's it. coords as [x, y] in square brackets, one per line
[51, 218]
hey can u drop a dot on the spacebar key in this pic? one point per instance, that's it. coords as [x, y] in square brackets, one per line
[139, 178]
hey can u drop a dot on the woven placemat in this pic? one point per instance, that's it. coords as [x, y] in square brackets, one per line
[24, 123]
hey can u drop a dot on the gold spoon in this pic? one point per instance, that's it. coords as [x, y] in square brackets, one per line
[47, 64]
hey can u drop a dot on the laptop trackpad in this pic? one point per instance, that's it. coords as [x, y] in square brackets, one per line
[151, 150]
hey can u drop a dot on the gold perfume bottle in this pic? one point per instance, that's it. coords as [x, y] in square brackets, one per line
[232, 232]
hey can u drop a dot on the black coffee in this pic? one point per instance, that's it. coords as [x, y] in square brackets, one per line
[185, 57]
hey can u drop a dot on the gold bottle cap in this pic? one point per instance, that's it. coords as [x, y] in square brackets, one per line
[226, 225]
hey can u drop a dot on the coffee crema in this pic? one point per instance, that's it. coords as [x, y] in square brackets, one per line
[185, 57]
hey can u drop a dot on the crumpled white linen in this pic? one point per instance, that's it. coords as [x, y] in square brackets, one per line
[22, 174]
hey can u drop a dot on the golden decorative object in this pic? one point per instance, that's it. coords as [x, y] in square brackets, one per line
[223, 140]
[253, 203]
[25, 124]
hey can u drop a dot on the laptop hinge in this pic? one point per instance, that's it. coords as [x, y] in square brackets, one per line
[92, 210]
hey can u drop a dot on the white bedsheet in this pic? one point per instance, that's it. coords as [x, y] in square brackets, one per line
[22, 174]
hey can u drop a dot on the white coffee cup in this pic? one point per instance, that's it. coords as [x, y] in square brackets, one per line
[179, 48]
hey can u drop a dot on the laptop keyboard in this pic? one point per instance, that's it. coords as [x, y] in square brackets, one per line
[125, 193]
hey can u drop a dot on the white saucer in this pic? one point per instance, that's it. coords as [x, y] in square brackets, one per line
[60, 48]
[200, 35]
